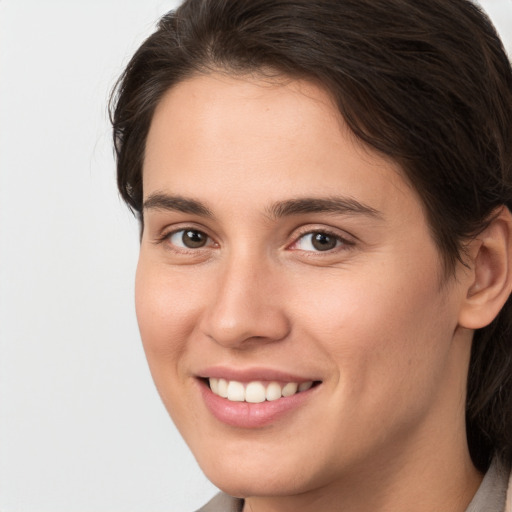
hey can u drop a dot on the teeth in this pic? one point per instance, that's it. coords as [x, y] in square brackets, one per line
[223, 388]
[255, 392]
[214, 385]
[304, 386]
[273, 391]
[236, 392]
[290, 389]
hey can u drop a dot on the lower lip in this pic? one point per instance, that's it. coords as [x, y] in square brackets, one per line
[248, 415]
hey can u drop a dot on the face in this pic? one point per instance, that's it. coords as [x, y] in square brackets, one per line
[289, 291]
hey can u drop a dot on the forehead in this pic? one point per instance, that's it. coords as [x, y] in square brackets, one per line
[216, 133]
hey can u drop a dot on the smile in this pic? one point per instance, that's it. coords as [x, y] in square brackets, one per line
[256, 391]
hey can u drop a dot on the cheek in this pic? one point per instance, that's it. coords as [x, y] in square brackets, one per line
[385, 331]
[164, 310]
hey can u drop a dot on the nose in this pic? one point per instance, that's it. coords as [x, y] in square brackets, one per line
[247, 305]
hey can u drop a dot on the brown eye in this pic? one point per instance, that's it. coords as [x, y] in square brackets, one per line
[323, 241]
[318, 241]
[188, 239]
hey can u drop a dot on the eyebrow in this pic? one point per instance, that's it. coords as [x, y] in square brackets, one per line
[160, 201]
[336, 205]
[289, 207]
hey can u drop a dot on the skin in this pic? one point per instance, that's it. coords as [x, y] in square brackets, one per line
[373, 318]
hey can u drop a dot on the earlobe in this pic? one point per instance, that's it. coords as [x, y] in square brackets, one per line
[490, 278]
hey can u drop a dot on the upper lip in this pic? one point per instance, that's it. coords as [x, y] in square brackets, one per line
[253, 374]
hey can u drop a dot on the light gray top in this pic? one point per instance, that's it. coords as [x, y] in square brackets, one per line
[492, 493]
[490, 497]
[223, 503]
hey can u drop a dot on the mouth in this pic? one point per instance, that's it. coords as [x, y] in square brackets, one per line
[248, 402]
[256, 392]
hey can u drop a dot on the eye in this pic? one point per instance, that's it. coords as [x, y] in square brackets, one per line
[188, 239]
[318, 241]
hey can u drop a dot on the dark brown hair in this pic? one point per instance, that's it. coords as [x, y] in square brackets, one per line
[425, 82]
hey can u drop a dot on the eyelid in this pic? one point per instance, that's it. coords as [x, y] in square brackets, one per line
[174, 239]
[165, 234]
[345, 238]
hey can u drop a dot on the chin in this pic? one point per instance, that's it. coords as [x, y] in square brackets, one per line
[237, 482]
[253, 475]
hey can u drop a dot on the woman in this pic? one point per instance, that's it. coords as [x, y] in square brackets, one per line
[323, 189]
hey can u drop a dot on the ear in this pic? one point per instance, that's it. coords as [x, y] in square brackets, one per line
[490, 277]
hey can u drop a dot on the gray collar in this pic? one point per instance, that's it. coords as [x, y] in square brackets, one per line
[492, 493]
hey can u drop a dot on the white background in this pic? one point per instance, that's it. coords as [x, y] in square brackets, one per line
[81, 426]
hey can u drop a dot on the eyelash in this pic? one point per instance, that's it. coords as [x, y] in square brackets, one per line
[342, 243]
[166, 237]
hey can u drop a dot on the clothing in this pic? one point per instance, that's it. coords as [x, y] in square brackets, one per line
[492, 495]
[223, 503]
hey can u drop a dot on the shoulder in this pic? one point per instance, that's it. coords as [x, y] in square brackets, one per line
[223, 503]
